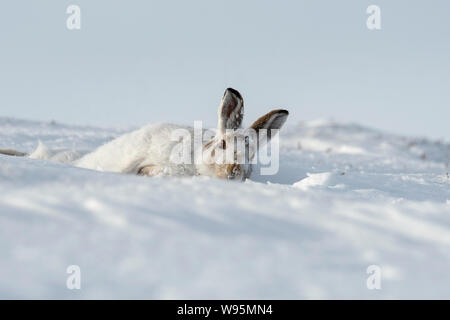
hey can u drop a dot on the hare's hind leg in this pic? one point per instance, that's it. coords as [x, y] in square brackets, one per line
[14, 153]
[150, 171]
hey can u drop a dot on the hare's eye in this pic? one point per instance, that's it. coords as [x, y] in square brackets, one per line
[222, 144]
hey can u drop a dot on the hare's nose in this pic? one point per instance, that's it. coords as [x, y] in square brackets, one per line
[234, 172]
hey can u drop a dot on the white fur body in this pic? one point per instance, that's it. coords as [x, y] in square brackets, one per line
[150, 145]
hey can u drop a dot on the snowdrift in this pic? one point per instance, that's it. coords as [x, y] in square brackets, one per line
[346, 197]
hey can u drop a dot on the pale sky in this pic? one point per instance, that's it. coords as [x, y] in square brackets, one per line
[136, 62]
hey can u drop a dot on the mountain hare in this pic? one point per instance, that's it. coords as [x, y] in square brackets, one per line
[151, 149]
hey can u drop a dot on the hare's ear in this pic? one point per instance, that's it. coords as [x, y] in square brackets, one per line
[231, 111]
[272, 120]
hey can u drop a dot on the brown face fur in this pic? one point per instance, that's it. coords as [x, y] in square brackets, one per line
[222, 170]
[229, 171]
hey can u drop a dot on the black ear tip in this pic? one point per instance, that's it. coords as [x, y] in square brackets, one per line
[282, 112]
[234, 92]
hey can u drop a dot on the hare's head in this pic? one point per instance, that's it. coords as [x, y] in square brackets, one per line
[229, 153]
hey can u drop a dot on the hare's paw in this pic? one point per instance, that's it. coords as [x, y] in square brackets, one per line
[150, 171]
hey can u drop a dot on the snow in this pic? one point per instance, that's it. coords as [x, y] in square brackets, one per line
[346, 197]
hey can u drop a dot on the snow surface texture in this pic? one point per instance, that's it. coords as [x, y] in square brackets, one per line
[346, 197]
